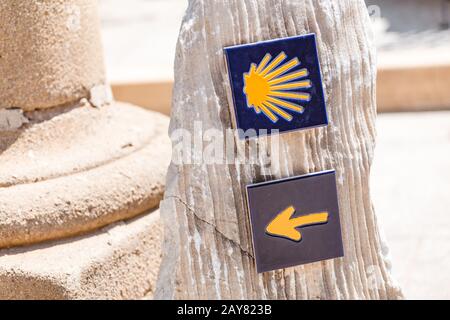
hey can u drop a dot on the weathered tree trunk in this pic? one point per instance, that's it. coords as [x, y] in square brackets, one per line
[208, 250]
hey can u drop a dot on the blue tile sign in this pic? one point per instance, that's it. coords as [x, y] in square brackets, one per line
[276, 84]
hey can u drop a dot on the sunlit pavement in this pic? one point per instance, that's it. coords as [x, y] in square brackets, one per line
[411, 194]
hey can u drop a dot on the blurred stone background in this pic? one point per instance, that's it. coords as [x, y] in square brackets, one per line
[411, 171]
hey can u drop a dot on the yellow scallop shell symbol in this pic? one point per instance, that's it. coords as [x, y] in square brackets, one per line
[270, 89]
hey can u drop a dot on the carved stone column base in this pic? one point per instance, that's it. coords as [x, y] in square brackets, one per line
[75, 169]
[67, 172]
[118, 262]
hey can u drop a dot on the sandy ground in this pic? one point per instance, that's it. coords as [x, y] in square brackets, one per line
[411, 172]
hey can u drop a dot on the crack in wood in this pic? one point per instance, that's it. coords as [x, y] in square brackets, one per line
[195, 215]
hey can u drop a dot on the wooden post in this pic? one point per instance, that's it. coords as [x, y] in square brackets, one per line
[208, 250]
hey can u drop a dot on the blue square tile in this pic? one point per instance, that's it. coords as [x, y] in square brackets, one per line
[276, 84]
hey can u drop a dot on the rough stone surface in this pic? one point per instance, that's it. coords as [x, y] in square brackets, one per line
[117, 262]
[79, 170]
[11, 119]
[207, 250]
[50, 52]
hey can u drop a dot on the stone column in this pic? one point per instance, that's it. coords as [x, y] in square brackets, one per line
[208, 249]
[51, 53]
[81, 175]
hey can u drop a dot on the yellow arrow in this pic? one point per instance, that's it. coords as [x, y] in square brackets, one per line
[283, 226]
